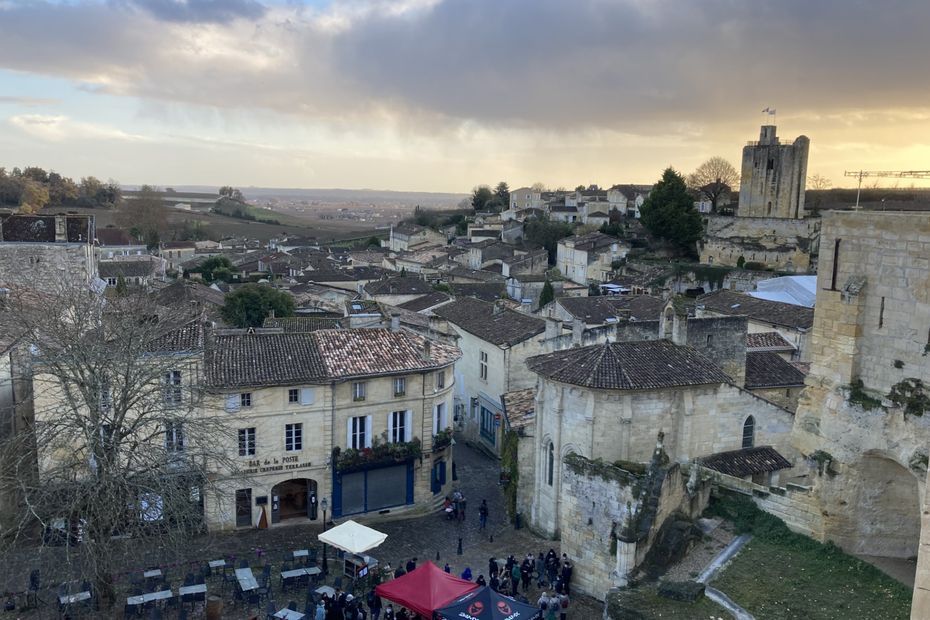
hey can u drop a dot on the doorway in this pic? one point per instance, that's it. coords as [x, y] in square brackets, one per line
[292, 499]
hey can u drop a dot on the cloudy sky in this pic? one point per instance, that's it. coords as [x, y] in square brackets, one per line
[443, 94]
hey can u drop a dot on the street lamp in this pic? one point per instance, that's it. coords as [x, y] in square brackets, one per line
[324, 504]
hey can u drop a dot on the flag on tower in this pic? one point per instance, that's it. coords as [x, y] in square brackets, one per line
[769, 111]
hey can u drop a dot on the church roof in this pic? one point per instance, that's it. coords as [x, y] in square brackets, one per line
[645, 365]
[746, 462]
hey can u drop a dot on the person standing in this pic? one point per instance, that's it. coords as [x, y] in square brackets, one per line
[515, 578]
[483, 514]
[495, 583]
[493, 567]
[374, 605]
[566, 573]
[526, 573]
[540, 563]
[563, 606]
[480, 581]
[411, 565]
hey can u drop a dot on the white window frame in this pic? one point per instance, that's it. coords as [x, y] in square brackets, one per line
[440, 379]
[293, 396]
[358, 432]
[400, 426]
[440, 418]
[294, 437]
[245, 399]
[247, 441]
[358, 390]
[400, 386]
[173, 388]
[483, 365]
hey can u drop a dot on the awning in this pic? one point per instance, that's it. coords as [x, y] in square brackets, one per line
[352, 537]
[486, 604]
[425, 589]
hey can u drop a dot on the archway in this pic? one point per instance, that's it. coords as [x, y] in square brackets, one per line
[887, 518]
[296, 498]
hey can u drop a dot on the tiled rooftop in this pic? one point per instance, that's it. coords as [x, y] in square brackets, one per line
[520, 407]
[762, 310]
[503, 327]
[597, 310]
[645, 365]
[746, 462]
[768, 341]
[767, 369]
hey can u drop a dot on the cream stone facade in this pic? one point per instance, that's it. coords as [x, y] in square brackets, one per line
[346, 419]
[773, 176]
[868, 453]
[778, 243]
[589, 258]
[621, 424]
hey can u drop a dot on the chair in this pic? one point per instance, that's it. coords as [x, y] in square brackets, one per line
[292, 606]
[189, 579]
[243, 563]
[270, 610]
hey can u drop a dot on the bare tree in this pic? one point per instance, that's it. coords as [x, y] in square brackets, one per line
[116, 447]
[819, 182]
[145, 215]
[713, 179]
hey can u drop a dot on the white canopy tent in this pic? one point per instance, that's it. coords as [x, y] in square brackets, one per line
[352, 537]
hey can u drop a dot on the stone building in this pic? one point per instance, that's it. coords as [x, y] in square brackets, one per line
[860, 419]
[47, 252]
[589, 258]
[608, 401]
[359, 416]
[773, 176]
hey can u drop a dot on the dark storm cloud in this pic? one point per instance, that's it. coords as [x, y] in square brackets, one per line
[633, 65]
[199, 10]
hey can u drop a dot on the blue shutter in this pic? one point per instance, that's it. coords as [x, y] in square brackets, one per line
[410, 482]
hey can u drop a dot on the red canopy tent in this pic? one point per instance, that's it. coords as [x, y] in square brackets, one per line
[425, 589]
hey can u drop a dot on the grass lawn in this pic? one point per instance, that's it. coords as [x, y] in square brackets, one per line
[779, 574]
[646, 601]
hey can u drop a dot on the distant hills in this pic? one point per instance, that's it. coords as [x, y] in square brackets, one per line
[334, 195]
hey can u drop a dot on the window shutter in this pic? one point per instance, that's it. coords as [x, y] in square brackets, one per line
[306, 396]
[443, 418]
[367, 431]
[408, 425]
[349, 432]
[436, 420]
[390, 427]
[232, 402]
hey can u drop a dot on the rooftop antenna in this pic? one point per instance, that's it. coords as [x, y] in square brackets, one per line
[898, 174]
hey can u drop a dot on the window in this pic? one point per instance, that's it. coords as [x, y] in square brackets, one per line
[881, 314]
[247, 441]
[174, 437]
[173, 387]
[245, 399]
[749, 430]
[550, 463]
[440, 379]
[105, 397]
[293, 437]
[400, 386]
[293, 396]
[112, 281]
[358, 390]
[359, 432]
[483, 365]
[836, 263]
[710, 339]
[440, 422]
[399, 423]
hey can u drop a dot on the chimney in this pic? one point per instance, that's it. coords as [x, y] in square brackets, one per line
[553, 328]
[427, 348]
[395, 323]
[577, 332]
[498, 306]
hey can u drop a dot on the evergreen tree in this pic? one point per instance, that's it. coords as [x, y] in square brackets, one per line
[249, 305]
[547, 295]
[669, 212]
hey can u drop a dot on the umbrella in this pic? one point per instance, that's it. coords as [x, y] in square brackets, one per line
[486, 604]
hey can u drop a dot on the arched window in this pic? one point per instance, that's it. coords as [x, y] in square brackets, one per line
[749, 432]
[550, 464]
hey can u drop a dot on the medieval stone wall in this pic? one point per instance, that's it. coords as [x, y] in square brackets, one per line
[46, 266]
[773, 176]
[780, 244]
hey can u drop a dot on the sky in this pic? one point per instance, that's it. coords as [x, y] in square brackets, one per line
[442, 95]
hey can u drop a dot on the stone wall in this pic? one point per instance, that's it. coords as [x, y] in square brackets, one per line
[920, 606]
[871, 324]
[723, 340]
[780, 244]
[47, 266]
[783, 397]
[773, 176]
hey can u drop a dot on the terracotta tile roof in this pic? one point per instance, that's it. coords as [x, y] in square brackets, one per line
[597, 310]
[746, 462]
[520, 407]
[366, 352]
[426, 301]
[186, 291]
[187, 338]
[125, 268]
[363, 306]
[645, 365]
[762, 310]
[768, 341]
[767, 369]
[404, 285]
[298, 324]
[504, 327]
[591, 241]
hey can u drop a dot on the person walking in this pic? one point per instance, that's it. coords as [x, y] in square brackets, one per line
[483, 514]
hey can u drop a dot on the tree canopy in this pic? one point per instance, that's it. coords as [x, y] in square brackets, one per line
[547, 295]
[546, 233]
[481, 196]
[502, 195]
[713, 178]
[669, 213]
[146, 216]
[216, 268]
[249, 305]
[32, 188]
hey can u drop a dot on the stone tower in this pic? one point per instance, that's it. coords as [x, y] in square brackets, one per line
[773, 177]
